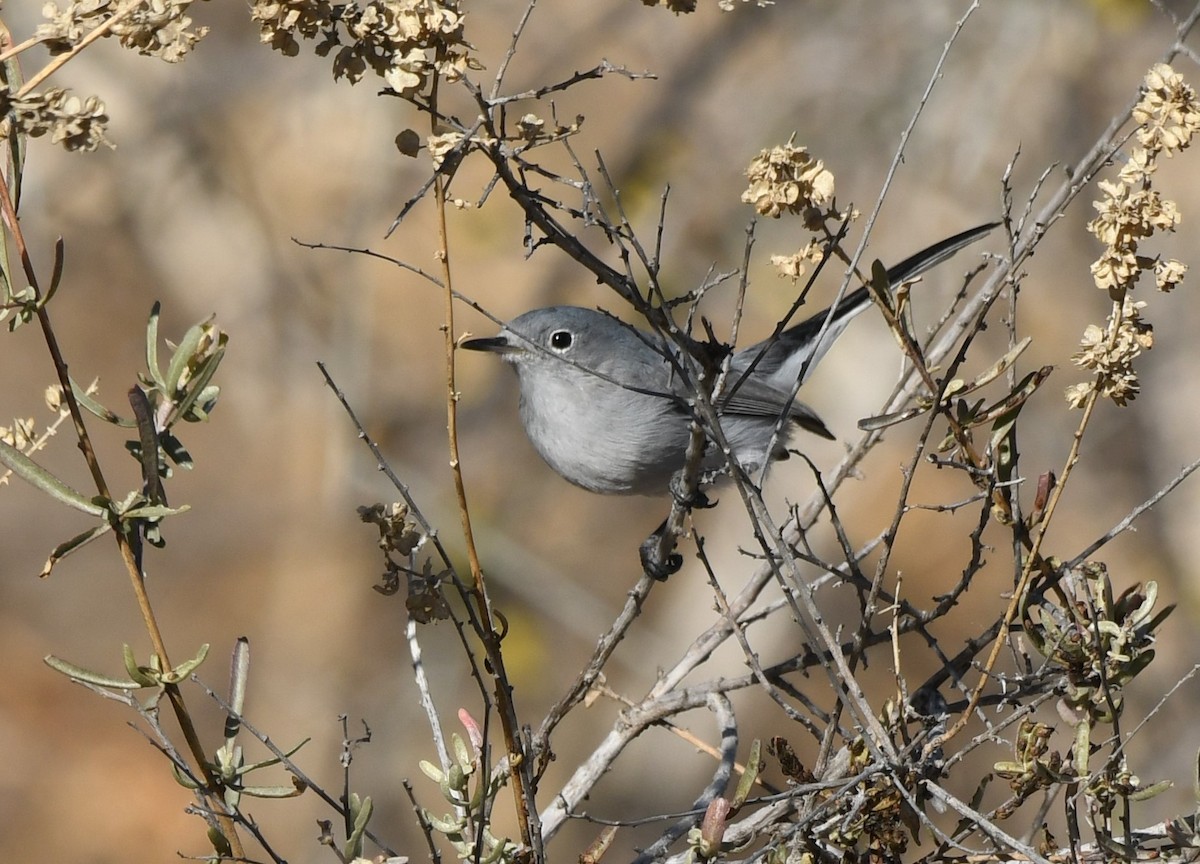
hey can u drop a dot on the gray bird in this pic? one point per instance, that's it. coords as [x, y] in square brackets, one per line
[605, 406]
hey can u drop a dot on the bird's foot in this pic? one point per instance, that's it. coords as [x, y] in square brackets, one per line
[695, 500]
[655, 567]
[659, 560]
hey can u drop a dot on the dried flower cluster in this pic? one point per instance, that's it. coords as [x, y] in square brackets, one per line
[441, 146]
[792, 266]
[20, 434]
[1112, 356]
[1168, 113]
[24, 433]
[404, 42]
[77, 124]
[1127, 215]
[788, 179]
[1130, 212]
[156, 28]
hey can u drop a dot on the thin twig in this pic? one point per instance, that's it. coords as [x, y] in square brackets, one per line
[427, 702]
[1131, 517]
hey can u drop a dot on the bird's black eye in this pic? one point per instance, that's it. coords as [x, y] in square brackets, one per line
[560, 340]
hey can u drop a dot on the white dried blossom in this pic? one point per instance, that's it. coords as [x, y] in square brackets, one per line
[1110, 352]
[1168, 274]
[792, 266]
[441, 145]
[54, 397]
[1138, 167]
[1168, 111]
[76, 123]
[1129, 212]
[404, 42]
[156, 28]
[21, 434]
[1126, 214]
[530, 126]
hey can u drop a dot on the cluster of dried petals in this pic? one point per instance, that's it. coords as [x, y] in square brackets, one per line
[280, 21]
[1127, 215]
[1168, 112]
[1129, 212]
[1115, 269]
[530, 127]
[75, 123]
[404, 42]
[1138, 167]
[1133, 336]
[155, 28]
[20, 434]
[440, 146]
[787, 179]
[452, 145]
[792, 266]
[535, 131]
[54, 397]
[1111, 354]
[1168, 274]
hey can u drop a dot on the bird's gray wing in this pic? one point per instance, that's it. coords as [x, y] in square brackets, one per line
[639, 361]
[760, 398]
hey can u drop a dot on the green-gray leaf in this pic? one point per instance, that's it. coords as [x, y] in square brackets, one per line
[35, 474]
[87, 676]
[62, 550]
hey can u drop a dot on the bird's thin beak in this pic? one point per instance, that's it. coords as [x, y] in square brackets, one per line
[495, 344]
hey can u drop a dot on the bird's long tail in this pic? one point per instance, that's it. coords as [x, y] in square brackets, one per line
[797, 350]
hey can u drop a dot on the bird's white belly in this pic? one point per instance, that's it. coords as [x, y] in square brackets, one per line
[605, 438]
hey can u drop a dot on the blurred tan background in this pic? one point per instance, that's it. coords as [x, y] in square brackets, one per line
[225, 158]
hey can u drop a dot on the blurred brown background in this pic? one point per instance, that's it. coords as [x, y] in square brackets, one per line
[225, 158]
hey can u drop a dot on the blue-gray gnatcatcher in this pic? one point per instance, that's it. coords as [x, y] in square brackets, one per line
[605, 405]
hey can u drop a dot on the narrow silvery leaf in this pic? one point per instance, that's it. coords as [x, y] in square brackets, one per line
[87, 676]
[187, 667]
[182, 356]
[89, 404]
[35, 474]
[154, 511]
[62, 550]
[152, 346]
